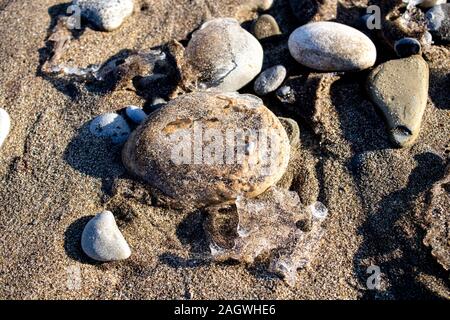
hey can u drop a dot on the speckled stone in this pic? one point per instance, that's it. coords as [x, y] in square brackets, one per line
[5, 124]
[110, 125]
[102, 240]
[270, 80]
[172, 151]
[226, 56]
[107, 15]
[265, 26]
[439, 22]
[331, 46]
[400, 89]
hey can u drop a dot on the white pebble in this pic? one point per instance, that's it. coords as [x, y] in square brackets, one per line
[332, 46]
[5, 125]
[110, 125]
[318, 210]
[270, 80]
[226, 56]
[136, 114]
[102, 240]
[105, 14]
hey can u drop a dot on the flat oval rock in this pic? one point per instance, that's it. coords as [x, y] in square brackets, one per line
[270, 80]
[208, 148]
[102, 240]
[400, 89]
[331, 46]
[5, 124]
[105, 14]
[226, 56]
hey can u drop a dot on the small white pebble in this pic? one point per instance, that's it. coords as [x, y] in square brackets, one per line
[136, 114]
[318, 210]
[110, 125]
[5, 125]
[105, 14]
[102, 240]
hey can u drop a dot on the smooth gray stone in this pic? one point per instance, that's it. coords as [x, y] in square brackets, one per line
[270, 80]
[332, 46]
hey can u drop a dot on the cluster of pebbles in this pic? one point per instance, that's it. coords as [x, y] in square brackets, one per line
[220, 59]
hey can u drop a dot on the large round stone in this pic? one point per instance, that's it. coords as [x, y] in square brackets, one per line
[225, 55]
[208, 148]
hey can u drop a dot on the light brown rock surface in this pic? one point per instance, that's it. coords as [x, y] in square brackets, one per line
[208, 148]
[400, 89]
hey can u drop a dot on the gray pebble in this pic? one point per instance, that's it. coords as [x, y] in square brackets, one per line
[110, 125]
[406, 47]
[136, 114]
[332, 46]
[5, 124]
[265, 26]
[226, 56]
[105, 14]
[270, 80]
[102, 240]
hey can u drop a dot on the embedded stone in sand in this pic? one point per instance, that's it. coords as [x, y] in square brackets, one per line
[400, 90]
[208, 148]
[226, 56]
[102, 240]
[105, 14]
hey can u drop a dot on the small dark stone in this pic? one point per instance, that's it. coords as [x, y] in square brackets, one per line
[407, 47]
[304, 10]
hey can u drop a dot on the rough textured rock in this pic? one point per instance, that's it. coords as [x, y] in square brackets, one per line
[110, 125]
[270, 80]
[225, 55]
[425, 3]
[5, 124]
[400, 89]
[400, 22]
[208, 148]
[105, 14]
[439, 22]
[292, 129]
[265, 26]
[331, 46]
[102, 240]
[438, 217]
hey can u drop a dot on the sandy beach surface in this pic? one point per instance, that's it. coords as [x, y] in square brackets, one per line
[54, 175]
